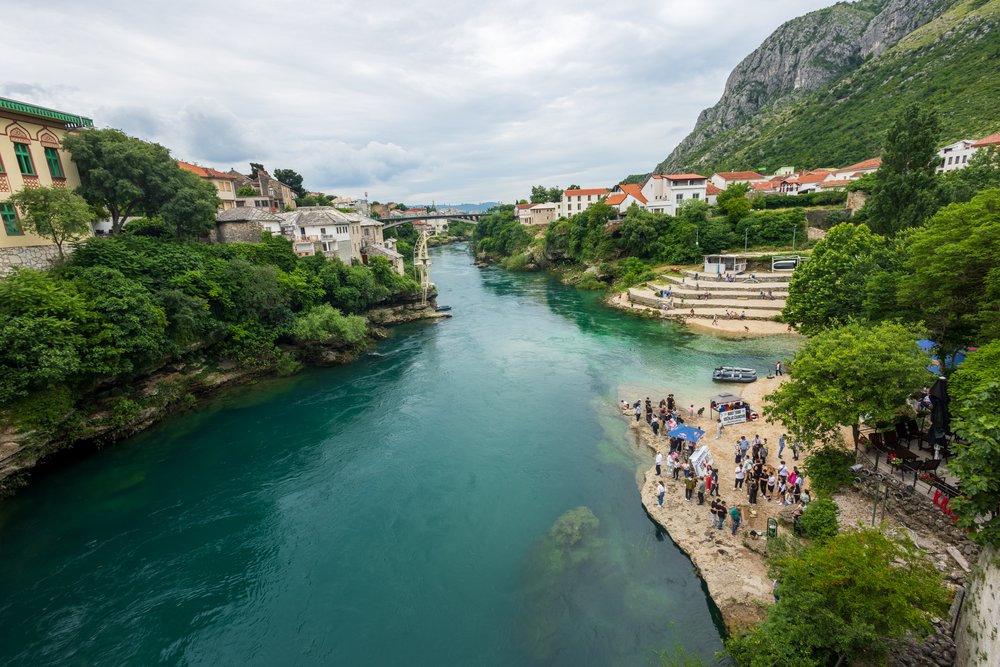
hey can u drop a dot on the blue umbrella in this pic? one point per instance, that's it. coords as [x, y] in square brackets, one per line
[689, 433]
[935, 367]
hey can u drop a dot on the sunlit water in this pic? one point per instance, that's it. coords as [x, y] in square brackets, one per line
[389, 512]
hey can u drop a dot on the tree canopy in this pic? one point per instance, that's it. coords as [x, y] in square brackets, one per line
[845, 374]
[122, 174]
[292, 179]
[904, 189]
[57, 213]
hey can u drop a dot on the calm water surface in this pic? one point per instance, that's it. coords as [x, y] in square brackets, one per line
[396, 511]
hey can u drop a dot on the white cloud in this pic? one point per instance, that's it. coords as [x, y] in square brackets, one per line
[409, 101]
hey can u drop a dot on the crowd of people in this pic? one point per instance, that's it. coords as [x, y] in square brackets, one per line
[758, 476]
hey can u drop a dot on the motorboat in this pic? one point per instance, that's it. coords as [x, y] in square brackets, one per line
[732, 374]
[442, 309]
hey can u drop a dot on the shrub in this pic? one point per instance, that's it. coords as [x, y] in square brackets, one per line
[828, 469]
[819, 521]
[325, 324]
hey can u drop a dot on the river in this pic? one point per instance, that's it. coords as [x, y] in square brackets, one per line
[393, 511]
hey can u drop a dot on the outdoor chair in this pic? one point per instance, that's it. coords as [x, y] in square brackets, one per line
[902, 433]
[890, 439]
[876, 439]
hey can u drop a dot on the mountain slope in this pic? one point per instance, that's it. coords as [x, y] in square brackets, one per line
[821, 90]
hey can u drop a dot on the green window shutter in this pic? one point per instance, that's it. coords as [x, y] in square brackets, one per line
[55, 165]
[10, 222]
[24, 159]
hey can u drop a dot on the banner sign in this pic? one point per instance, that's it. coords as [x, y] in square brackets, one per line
[730, 417]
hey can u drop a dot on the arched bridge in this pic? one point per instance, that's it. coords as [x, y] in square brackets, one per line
[389, 223]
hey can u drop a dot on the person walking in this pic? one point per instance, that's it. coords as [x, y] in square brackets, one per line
[736, 517]
[659, 462]
[660, 492]
[689, 483]
[701, 491]
[781, 444]
[722, 514]
[795, 450]
[655, 425]
[638, 411]
[715, 481]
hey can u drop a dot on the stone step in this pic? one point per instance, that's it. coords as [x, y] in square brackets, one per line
[712, 286]
[783, 276]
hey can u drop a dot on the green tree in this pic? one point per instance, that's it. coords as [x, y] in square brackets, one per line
[124, 175]
[246, 191]
[192, 207]
[904, 190]
[59, 214]
[954, 273]
[733, 202]
[254, 168]
[843, 375]
[975, 390]
[292, 179]
[637, 234]
[842, 598]
[831, 287]
[982, 173]
[324, 324]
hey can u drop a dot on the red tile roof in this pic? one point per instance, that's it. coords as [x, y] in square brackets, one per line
[711, 190]
[740, 175]
[810, 177]
[614, 200]
[215, 173]
[635, 190]
[874, 163]
[991, 140]
[591, 191]
[193, 168]
[679, 177]
[835, 184]
[765, 186]
[523, 206]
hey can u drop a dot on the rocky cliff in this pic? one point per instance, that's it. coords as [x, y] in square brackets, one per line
[807, 58]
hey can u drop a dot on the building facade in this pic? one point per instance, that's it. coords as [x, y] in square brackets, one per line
[665, 193]
[31, 156]
[578, 201]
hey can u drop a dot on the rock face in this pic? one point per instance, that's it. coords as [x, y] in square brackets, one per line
[801, 56]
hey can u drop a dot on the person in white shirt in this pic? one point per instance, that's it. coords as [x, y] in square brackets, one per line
[659, 462]
[660, 492]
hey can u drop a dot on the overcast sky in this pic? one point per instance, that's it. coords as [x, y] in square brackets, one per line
[413, 101]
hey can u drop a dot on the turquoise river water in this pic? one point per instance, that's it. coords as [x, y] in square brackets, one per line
[395, 511]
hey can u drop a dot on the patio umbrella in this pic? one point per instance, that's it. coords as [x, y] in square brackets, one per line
[689, 433]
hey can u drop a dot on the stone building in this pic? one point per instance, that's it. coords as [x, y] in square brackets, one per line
[31, 156]
[244, 225]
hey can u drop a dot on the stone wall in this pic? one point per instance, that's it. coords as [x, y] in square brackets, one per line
[243, 231]
[29, 257]
[976, 637]
[856, 201]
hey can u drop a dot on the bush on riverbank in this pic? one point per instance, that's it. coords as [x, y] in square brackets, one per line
[829, 468]
[819, 521]
[843, 598]
[126, 305]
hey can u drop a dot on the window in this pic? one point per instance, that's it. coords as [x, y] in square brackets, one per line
[680, 196]
[322, 230]
[10, 221]
[589, 196]
[950, 159]
[965, 158]
[55, 165]
[696, 195]
[24, 159]
[302, 230]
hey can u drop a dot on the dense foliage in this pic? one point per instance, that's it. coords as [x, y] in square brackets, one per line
[975, 391]
[499, 234]
[128, 304]
[55, 213]
[819, 520]
[842, 597]
[828, 469]
[844, 374]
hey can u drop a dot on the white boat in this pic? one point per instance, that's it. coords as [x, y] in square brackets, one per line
[733, 374]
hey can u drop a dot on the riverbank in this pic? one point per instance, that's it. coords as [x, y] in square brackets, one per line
[733, 567]
[121, 412]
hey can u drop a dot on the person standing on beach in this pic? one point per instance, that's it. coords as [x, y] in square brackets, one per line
[638, 411]
[736, 516]
[654, 423]
[715, 481]
[670, 403]
[689, 483]
[722, 513]
[719, 428]
[660, 492]
[777, 367]
[740, 474]
[659, 462]
[649, 410]
[752, 492]
[714, 509]
[781, 444]
[701, 491]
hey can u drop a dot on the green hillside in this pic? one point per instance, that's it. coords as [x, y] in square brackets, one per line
[952, 63]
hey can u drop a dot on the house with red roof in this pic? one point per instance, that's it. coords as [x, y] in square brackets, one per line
[957, 155]
[577, 201]
[665, 193]
[855, 171]
[226, 184]
[712, 193]
[624, 195]
[724, 179]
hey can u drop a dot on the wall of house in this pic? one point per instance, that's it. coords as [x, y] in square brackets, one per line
[239, 232]
[977, 640]
[37, 136]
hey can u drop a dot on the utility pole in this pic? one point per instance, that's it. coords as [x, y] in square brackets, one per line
[746, 237]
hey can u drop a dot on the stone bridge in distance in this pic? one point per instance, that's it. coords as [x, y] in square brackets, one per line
[461, 217]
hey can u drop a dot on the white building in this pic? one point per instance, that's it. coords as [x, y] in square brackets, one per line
[664, 193]
[957, 155]
[855, 171]
[724, 179]
[577, 201]
[323, 229]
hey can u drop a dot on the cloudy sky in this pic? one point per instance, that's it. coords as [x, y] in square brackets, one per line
[412, 101]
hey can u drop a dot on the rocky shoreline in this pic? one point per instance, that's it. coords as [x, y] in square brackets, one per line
[161, 394]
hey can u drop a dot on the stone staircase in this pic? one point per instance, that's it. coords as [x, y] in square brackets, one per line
[758, 298]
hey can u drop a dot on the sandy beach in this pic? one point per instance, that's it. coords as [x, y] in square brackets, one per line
[723, 327]
[733, 567]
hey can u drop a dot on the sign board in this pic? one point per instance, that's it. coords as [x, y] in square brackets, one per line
[730, 417]
[701, 461]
